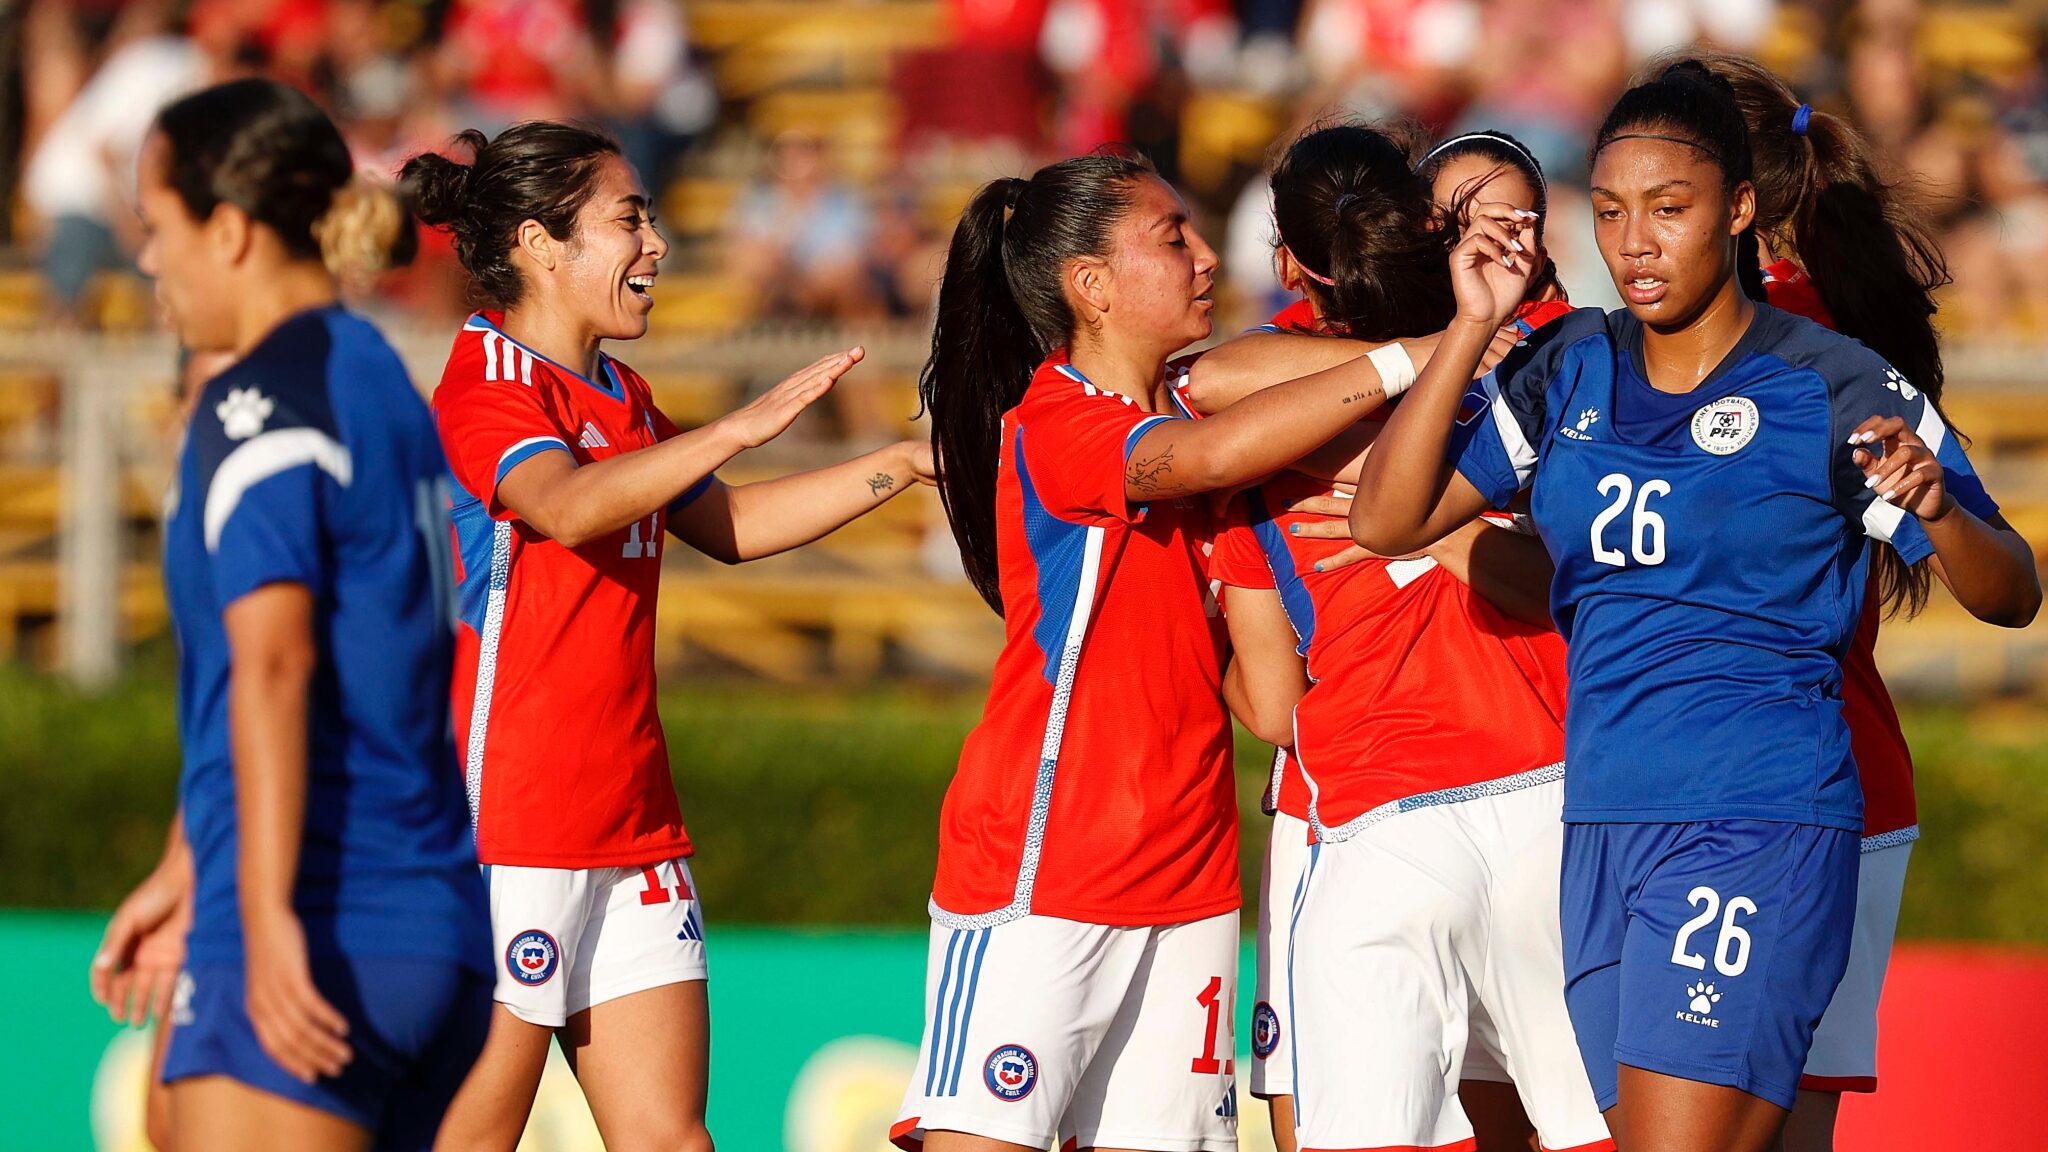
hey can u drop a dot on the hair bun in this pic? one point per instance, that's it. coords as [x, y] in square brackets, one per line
[438, 185]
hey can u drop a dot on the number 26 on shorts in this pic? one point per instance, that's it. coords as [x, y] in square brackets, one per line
[1731, 950]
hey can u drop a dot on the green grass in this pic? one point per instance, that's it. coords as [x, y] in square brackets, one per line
[822, 807]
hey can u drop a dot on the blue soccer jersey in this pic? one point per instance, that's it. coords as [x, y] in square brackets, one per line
[1710, 557]
[312, 461]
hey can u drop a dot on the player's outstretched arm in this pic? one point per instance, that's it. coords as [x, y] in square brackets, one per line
[574, 505]
[1257, 360]
[1266, 677]
[272, 658]
[749, 521]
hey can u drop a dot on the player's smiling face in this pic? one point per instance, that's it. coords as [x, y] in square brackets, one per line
[1666, 228]
[1161, 271]
[607, 271]
[183, 256]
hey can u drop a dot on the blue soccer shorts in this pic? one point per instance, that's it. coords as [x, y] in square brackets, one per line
[1706, 951]
[414, 1027]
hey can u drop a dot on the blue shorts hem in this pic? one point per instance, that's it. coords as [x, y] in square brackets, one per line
[1683, 814]
[1782, 1095]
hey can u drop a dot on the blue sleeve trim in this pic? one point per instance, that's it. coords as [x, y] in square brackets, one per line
[690, 497]
[526, 450]
[1137, 433]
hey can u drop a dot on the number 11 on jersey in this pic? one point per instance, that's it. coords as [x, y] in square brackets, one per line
[651, 546]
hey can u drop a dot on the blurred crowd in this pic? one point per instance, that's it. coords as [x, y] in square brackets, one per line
[823, 224]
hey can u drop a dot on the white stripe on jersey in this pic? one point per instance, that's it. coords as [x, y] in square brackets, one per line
[1520, 454]
[491, 355]
[1931, 429]
[1049, 751]
[259, 459]
[527, 443]
[487, 667]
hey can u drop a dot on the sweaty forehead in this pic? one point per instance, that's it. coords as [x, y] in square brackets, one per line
[1633, 163]
[613, 184]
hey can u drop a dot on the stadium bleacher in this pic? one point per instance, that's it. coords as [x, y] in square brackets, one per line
[883, 594]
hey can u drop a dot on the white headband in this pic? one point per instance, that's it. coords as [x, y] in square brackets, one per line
[1496, 138]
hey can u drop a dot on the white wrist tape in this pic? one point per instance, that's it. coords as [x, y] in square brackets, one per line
[1396, 368]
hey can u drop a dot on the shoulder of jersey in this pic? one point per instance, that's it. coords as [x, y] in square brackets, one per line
[484, 356]
[1806, 343]
[1057, 382]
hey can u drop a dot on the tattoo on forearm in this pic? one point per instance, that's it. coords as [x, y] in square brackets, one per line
[1148, 474]
[880, 482]
[1355, 397]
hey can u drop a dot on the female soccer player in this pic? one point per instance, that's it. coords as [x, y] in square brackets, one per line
[1705, 470]
[1427, 728]
[1869, 271]
[1084, 917]
[567, 477]
[1494, 167]
[336, 986]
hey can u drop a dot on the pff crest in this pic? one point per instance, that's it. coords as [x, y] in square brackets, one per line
[1726, 426]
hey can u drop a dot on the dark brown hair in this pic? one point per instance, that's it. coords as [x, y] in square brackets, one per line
[1002, 310]
[542, 170]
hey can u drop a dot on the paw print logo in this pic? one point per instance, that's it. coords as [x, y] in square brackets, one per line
[242, 414]
[1897, 382]
[1588, 418]
[1703, 997]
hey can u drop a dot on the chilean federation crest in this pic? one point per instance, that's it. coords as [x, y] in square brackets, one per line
[1010, 1072]
[532, 957]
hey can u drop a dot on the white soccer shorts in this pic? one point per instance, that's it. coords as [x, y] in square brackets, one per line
[1844, 1053]
[1272, 1024]
[1423, 936]
[1042, 1030]
[571, 938]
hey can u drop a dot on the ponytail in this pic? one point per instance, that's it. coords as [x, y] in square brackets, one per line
[1876, 266]
[982, 358]
[1002, 310]
[1359, 221]
[365, 231]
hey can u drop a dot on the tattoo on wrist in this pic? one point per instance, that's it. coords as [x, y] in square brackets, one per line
[879, 483]
[1146, 475]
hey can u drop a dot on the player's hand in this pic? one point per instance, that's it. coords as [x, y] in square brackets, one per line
[296, 1025]
[136, 966]
[768, 415]
[1903, 470]
[1336, 506]
[1491, 266]
[1505, 338]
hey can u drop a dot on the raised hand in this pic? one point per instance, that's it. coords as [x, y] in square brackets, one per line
[1903, 470]
[1491, 267]
[771, 413]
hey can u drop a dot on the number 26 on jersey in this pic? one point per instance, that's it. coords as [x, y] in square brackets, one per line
[1644, 532]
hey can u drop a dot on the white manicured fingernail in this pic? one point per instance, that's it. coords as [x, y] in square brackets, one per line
[1870, 483]
[1526, 214]
[1518, 245]
[1885, 495]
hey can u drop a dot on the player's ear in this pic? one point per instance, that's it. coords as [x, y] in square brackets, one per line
[1741, 208]
[1089, 283]
[541, 248]
[228, 233]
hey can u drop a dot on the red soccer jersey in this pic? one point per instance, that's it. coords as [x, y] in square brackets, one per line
[1097, 786]
[554, 701]
[1883, 761]
[1419, 687]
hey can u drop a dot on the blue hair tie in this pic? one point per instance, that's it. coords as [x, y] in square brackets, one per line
[1346, 198]
[1801, 119]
